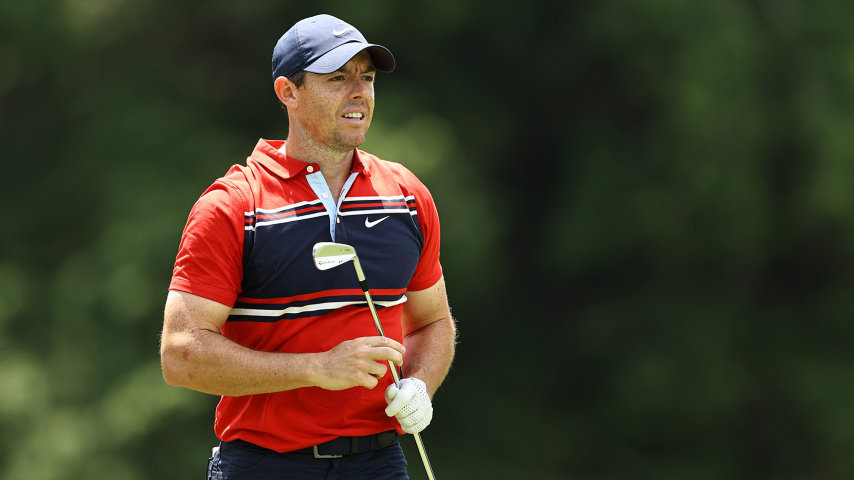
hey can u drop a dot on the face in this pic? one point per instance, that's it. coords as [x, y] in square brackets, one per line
[335, 109]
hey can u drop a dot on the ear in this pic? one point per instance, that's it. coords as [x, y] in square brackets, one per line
[286, 91]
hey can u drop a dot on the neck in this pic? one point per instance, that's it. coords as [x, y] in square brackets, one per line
[335, 163]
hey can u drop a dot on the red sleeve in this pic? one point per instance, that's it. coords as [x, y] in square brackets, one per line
[210, 257]
[429, 270]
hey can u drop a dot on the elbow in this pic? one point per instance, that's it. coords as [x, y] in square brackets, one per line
[170, 375]
[170, 371]
[173, 367]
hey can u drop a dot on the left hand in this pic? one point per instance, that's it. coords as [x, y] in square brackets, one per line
[410, 404]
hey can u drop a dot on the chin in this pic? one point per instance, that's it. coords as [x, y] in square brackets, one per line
[353, 141]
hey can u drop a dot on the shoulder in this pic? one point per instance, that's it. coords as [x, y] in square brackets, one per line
[239, 177]
[230, 191]
[385, 170]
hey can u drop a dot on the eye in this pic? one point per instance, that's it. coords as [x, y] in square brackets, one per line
[368, 78]
[336, 78]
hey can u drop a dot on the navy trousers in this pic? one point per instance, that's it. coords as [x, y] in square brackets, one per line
[234, 461]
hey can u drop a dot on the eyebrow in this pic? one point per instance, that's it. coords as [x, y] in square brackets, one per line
[371, 70]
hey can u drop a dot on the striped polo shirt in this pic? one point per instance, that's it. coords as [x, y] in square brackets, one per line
[247, 244]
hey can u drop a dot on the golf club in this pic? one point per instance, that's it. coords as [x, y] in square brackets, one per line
[329, 255]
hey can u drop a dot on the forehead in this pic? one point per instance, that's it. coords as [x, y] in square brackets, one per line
[361, 62]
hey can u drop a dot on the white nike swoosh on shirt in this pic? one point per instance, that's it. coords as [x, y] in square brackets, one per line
[370, 224]
[338, 33]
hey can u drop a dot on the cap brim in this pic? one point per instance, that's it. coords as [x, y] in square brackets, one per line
[340, 55]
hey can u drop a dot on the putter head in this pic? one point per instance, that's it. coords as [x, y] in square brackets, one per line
[329, 255]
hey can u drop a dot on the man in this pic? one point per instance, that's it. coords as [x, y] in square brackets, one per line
[293, 351]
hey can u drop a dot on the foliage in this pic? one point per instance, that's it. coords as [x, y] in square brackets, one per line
[646, 211]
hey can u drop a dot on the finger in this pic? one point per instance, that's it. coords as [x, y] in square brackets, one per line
[418, 426]
[369, 381]
[385, 342]
[413, 406]
[412, 419]
[402, 399]
[412, 426]
[386, 353]
[378, 369]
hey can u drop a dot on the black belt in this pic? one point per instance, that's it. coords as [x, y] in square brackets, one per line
[335, 448]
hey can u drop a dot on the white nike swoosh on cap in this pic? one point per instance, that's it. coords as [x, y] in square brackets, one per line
[370, 224]
[338, 33]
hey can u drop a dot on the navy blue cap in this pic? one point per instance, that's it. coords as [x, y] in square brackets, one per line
[323, 44]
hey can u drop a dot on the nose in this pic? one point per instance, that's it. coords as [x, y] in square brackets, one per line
[360, 89]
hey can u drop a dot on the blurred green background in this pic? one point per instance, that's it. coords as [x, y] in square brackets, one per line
[647, 211]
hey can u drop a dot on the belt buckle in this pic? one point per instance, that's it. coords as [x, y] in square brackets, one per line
[318, 455]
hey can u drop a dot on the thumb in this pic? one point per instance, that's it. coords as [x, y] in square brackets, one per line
[402, 397]
[391, 393]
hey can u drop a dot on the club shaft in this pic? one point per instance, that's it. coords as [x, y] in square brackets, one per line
[423, 453]
[373, 309]
[418, 443]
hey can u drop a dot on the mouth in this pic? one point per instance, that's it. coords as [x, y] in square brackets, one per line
[354, 117]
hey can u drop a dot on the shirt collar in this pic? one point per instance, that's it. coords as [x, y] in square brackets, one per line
[268, 154]
[358, 164]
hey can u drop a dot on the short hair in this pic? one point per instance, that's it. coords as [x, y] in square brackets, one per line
[298, 78]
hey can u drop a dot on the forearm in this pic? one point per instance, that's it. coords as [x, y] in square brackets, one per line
[429, 352]
[207, 361]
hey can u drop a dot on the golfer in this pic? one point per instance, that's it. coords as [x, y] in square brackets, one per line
[293, 351]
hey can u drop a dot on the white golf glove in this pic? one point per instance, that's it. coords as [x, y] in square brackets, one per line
[410, 404]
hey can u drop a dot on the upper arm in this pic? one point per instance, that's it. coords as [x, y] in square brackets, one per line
[186, 319]
[210, 257]
[186, 313]
[428, 270]
[426, 306]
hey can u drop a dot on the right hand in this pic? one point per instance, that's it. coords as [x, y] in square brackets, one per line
[358, 363]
